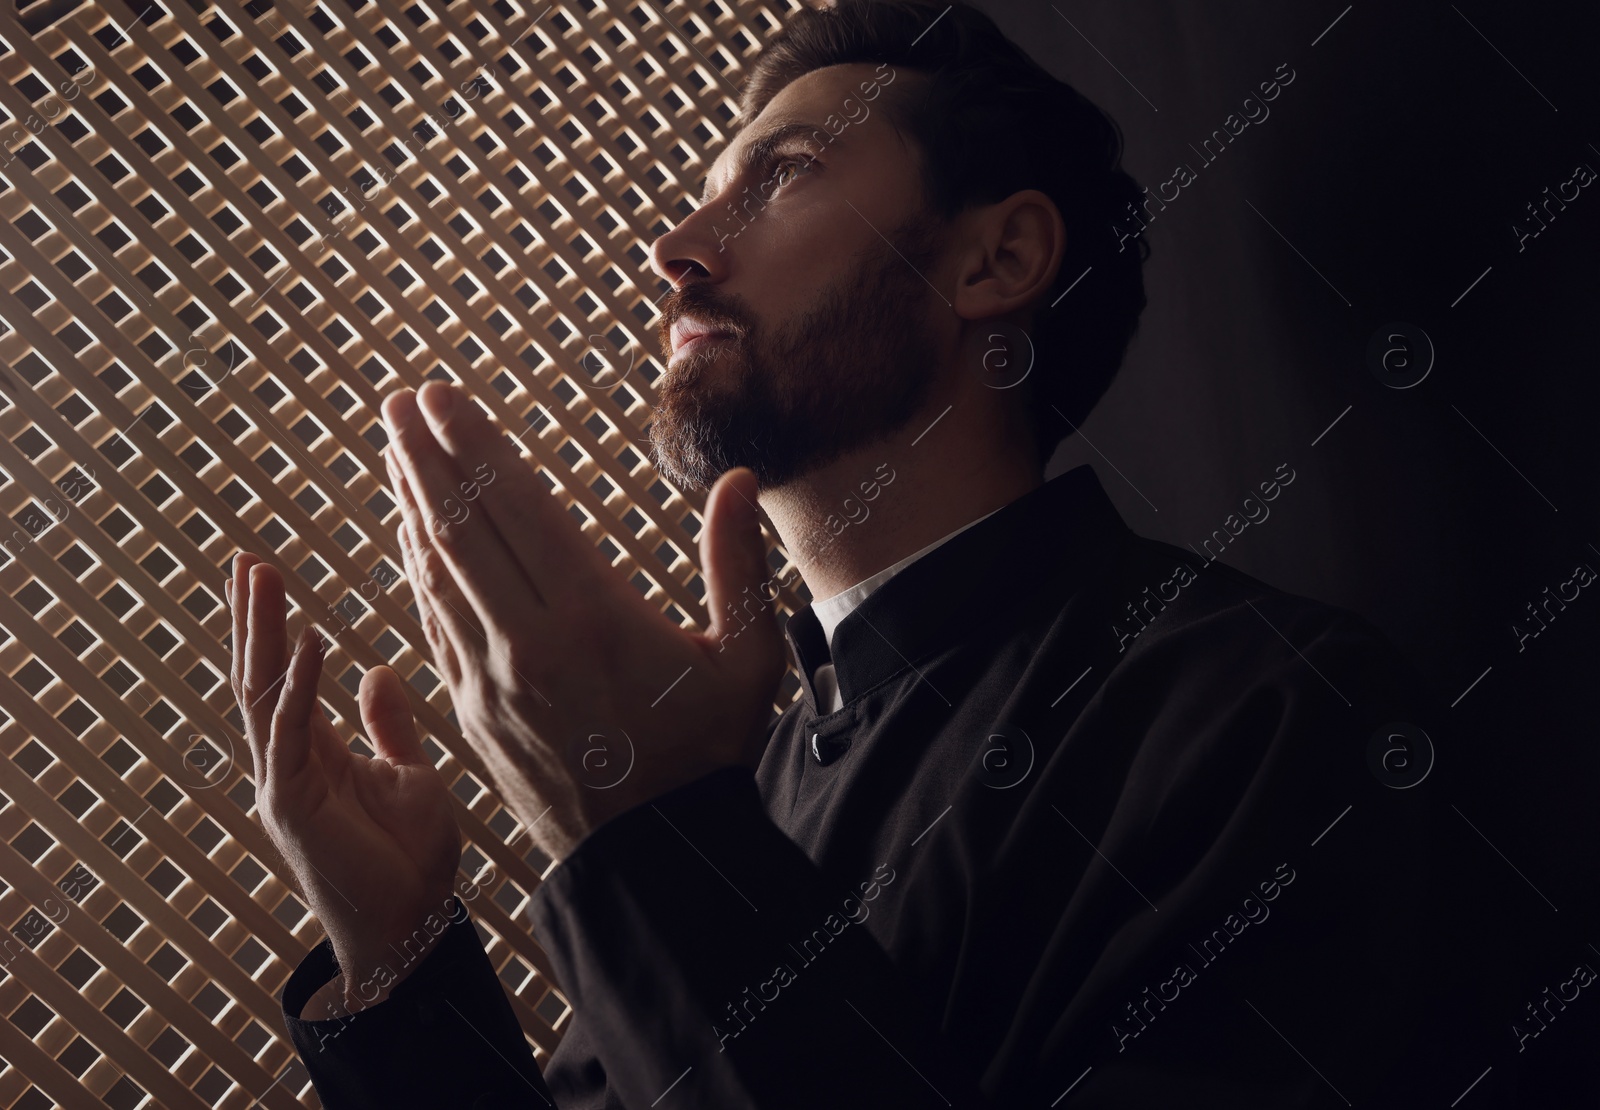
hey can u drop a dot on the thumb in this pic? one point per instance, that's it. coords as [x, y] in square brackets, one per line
[735, 560]
[386, 714]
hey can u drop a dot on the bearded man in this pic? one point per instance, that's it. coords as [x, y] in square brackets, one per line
[1062, 816]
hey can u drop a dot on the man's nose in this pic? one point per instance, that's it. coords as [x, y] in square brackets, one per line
[694, 248]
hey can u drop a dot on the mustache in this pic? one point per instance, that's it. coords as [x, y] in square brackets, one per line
[702, 304]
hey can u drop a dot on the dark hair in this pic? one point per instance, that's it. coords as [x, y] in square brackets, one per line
[991, 121]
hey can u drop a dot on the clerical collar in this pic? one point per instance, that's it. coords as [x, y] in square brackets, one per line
[831, 610]
[1052, 529]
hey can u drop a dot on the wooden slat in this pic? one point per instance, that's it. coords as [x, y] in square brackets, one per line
[192, 359]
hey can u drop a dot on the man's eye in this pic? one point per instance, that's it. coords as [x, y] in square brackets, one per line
[778, 179]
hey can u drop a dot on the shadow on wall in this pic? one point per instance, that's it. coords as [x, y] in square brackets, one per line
[1380, 274]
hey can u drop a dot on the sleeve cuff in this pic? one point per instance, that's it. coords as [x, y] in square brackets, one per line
[446, 1035]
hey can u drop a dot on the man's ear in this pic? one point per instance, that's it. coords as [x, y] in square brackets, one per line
[1013, 250]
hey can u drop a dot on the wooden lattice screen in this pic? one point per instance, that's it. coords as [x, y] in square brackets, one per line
[228, 233]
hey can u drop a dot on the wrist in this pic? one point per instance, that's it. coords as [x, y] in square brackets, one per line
[368, 977]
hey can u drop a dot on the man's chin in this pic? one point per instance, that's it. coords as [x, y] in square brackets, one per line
[682, 435]
[702, 418]
[683, 471]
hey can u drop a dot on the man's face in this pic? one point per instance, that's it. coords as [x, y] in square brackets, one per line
[829, 341]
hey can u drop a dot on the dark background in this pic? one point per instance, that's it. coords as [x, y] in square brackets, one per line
[1411, 139]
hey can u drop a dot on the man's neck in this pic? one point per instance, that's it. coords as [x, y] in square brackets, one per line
[873, 507]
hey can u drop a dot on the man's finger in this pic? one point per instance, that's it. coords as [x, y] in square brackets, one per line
[441, 608]
[442, 638]
[239, 607]
[733, 554]
[541, 535]
[238, 612]
[386, 713]
[464, 536]
[289, 743]
[265, 648]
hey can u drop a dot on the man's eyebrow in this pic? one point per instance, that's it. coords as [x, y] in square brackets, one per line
[762, 147]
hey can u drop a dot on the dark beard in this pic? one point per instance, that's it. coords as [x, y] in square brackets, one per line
[850, 371]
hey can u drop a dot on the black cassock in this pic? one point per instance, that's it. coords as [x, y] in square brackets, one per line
[1100, 817]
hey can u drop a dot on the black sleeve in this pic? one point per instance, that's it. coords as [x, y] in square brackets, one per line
[714, 960]
[446, 1036]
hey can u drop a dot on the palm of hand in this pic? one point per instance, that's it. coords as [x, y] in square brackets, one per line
[398, 840]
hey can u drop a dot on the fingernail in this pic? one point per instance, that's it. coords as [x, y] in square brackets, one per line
[227, 588]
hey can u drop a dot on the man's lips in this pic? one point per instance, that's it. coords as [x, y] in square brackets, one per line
[688, 333]
[696, 342]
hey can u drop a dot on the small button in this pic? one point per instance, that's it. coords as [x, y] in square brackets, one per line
[826, 749]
